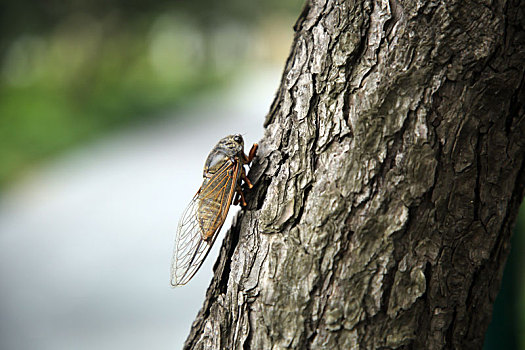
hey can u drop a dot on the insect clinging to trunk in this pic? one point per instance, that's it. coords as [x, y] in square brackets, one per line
[203, 218]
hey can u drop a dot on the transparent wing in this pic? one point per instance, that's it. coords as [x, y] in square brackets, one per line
[202, 219]
[190, 249]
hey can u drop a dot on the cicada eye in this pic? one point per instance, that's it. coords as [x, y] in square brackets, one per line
[238, 138]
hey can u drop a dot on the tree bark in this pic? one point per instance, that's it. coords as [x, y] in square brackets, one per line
[386, 185]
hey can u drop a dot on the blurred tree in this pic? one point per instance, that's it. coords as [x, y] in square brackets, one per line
[387, 183]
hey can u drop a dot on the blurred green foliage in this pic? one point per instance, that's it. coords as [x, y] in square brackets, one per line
[71, 71]
[73, 84]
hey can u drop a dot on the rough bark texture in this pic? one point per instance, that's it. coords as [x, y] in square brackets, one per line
[386, 185]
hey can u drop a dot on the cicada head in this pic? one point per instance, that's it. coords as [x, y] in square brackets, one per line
[227, 149]
[231, 145]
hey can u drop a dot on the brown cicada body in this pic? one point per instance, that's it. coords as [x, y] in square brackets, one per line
[205, 215]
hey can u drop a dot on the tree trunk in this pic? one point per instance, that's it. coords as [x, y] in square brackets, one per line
[386, 185]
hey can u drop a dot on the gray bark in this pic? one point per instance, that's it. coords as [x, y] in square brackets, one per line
[386, 185]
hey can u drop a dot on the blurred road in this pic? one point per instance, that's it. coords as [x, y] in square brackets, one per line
[86, 241]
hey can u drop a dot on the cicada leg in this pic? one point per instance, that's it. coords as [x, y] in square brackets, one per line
[248, 158]
[239, 197]
[245, 178]
[253, 150]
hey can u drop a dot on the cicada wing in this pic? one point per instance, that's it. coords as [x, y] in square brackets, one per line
[190, 249]
[216, 196]
[200, 222]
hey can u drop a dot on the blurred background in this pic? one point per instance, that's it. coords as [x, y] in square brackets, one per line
[107, 112]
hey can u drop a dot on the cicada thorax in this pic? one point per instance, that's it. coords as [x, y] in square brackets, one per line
[221, 177]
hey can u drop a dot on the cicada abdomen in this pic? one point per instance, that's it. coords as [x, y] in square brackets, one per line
[205, 215]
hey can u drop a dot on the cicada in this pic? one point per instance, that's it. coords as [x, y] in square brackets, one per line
[203, 218]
